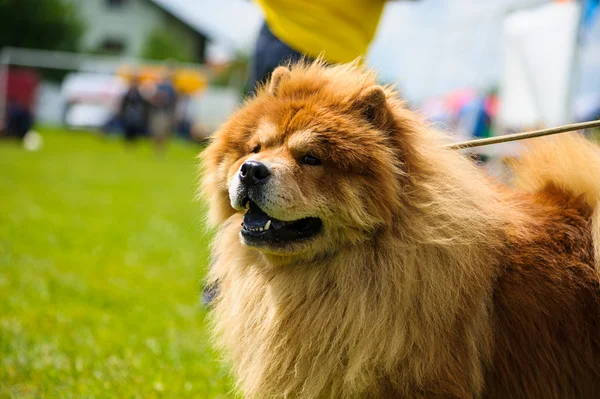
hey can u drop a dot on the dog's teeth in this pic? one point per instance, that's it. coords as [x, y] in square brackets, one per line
[260, 229]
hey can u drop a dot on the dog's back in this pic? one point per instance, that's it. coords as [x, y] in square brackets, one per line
[546, 317]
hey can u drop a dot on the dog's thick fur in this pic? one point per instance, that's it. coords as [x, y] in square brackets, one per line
[429, 279]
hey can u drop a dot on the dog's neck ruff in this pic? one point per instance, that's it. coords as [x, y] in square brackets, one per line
[343, 318]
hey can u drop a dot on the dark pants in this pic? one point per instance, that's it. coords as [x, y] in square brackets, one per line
[132, 132]
[270, 52]
[20, 120]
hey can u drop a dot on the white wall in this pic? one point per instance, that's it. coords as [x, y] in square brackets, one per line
[213, 106]
[132, 23]
[435, 46]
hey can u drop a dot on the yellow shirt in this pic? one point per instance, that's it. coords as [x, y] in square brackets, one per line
[340, 30]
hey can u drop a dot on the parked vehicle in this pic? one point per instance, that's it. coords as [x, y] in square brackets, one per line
[91, 100]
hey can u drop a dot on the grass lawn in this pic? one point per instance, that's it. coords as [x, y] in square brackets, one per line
[102, 251]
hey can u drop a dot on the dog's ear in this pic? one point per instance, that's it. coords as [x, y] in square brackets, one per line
[372, 103]
[279, 75]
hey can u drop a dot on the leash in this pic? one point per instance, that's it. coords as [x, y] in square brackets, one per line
[522, 136]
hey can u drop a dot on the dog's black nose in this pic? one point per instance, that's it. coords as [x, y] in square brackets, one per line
[254, 173]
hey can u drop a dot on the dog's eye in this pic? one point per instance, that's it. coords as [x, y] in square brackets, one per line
[256, 149]
[310, 160]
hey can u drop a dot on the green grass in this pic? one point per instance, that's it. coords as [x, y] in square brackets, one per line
[102, 252]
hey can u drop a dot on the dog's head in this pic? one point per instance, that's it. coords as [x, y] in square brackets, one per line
[312, 162]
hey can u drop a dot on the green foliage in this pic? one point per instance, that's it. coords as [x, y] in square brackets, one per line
[46, 24]
[102, 250]
[163, 45]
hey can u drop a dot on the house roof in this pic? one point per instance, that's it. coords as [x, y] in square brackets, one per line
[232, 23]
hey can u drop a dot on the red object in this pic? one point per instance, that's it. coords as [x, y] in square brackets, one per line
[491, 105]
[22, 87]
[458, 99]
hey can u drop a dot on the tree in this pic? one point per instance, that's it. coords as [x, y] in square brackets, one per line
[40, 24]
[162, 45]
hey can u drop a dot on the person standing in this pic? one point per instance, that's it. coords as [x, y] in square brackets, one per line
[339, 31]
[162, 118]
[134, 112]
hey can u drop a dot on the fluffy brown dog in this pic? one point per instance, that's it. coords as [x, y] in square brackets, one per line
[356, 257]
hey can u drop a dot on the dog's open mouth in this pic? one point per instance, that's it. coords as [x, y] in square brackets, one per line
[258, 228]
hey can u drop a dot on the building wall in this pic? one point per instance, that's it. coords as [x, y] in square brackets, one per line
[130, 23]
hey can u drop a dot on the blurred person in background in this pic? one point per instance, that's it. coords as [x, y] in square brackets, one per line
[19, 119]
[134, 112]
[337, 30]
[163, 114]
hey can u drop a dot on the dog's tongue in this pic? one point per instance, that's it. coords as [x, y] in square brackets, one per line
[255, 218]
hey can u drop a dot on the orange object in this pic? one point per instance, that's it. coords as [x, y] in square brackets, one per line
[186, 81]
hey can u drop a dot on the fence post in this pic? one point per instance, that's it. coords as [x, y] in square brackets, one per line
[4, 67]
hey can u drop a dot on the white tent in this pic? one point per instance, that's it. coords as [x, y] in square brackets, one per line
[538, 67]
